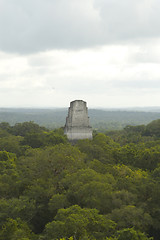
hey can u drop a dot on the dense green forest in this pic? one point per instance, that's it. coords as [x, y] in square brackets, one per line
[107, 188]
[100, 119]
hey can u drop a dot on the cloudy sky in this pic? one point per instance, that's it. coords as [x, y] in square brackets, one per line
[106, 52]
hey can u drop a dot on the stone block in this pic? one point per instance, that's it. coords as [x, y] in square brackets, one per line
[77, 122]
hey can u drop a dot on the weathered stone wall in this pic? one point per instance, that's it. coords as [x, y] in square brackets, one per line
[77, 123]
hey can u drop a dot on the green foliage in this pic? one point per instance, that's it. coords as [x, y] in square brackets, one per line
[101, 148]
[80, 223]
[41, 171]
[12, 144]
[8, 175]
[42, 139]
[58, 201]
[15, 230]
[129, 234]
[5, 126]
[105, 188]
[88, 188]
[21, 129]
[131, 216]
[153, 128]
[22, 207]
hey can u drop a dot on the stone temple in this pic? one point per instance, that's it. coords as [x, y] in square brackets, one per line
[77, 122]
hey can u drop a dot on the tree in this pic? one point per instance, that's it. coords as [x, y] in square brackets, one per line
[12, 144]
[149, 158]
[42, 139]
[5, 126]
[79, 223]
[21, 129]
[131, 216]
[22, 207]
[9, 176]
[129, 234]
[88, 188]
[56, 202]
[40, 174]
[16, 230]
[153, 128]
[100, 148]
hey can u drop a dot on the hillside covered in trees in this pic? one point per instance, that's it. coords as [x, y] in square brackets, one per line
[100, 119]
[107, 188]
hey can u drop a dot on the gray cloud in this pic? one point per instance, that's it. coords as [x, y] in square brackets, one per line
[137, 84]
[129, 19]
[38, 25]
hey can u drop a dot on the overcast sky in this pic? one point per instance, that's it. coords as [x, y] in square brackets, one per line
[106, 52]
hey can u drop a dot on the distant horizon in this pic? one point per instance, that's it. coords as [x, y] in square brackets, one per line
[89, 107]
